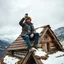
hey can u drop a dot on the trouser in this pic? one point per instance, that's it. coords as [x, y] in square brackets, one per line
[27, 39]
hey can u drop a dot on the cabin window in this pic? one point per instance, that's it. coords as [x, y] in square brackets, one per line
[46, 37]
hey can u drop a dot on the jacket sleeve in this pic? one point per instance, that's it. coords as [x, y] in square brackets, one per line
[21, 22]
[33, 29]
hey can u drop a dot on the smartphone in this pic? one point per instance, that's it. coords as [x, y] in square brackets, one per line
[26, 15]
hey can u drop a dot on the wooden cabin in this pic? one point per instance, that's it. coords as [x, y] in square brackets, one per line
[47, 41]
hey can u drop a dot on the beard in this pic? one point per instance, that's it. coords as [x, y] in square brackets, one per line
[29, 22]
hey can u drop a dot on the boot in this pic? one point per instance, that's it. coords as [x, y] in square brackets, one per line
[36, 46]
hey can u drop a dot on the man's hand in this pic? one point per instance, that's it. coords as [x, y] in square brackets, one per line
[25, 18]
[32, 35]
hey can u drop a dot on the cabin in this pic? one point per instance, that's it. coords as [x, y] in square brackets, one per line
[48, 42]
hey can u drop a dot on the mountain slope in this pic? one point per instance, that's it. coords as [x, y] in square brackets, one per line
[3, 47]
[59, 33]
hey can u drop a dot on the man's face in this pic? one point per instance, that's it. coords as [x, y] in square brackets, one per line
[28, 21]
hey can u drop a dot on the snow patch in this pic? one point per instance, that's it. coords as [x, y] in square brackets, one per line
[39, 52]
[10, 60]
[63, 47]
[56, 58]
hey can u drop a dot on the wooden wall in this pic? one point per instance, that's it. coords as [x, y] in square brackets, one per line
[47, 43]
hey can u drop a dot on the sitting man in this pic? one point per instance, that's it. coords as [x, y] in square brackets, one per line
[28, 31]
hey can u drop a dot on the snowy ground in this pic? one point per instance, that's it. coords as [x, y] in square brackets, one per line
[10, 60]
[56, 58]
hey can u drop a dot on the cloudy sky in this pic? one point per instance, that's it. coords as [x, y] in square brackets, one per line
[43, 12]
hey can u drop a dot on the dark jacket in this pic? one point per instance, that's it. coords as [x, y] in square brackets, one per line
[26, 28]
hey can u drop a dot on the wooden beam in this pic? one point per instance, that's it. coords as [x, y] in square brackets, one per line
[57, 41]
[46, 41]
[53, 40]
[26, 58]
[43, 27]
[43, 35]
[38, 61]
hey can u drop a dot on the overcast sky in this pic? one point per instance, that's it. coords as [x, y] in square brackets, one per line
[43, 12]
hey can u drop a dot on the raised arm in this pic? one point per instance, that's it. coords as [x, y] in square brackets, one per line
[21, 22]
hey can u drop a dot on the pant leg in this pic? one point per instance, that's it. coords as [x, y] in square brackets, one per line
[36, 38]
[27, 39]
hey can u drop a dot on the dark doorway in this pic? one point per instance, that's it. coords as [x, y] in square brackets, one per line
[31, 60]
[48, 47]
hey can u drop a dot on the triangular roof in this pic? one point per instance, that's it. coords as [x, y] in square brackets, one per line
[31, 54]
[48, 29]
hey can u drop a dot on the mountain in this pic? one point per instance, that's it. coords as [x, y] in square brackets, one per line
[5, 42]
[59, 33]
[3, 47]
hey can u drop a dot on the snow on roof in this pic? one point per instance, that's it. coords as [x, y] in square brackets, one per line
[63, 47]
[56, 58]
[62, 42]
[39, 52]
[39, 30]
[10, 60]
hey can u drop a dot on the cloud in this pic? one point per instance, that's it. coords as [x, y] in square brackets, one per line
[10, 32]
[43, 12]
[11, 11]
[48, 12]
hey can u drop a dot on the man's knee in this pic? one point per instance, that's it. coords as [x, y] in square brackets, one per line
[26, 36]
[36, 34]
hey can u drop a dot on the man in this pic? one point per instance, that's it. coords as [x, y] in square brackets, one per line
[28, 31]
